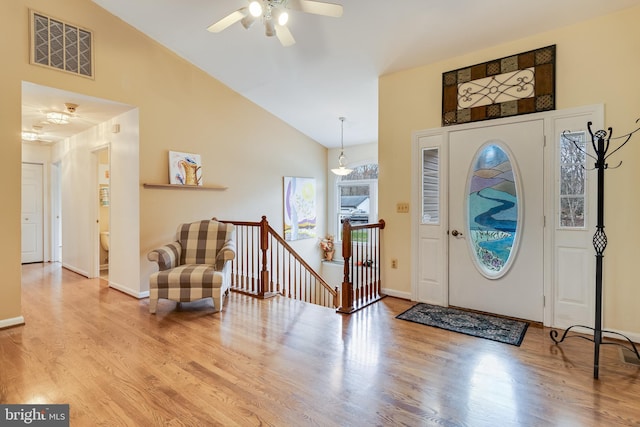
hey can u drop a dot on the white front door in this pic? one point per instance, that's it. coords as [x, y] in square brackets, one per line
[496, 219]
[32, 234]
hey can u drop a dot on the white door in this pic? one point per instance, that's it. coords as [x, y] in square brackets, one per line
[496, 219]
[32, 234]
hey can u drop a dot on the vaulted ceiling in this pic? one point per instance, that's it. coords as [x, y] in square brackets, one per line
[332, 70]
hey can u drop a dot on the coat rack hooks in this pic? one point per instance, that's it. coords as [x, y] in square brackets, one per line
[600, 141]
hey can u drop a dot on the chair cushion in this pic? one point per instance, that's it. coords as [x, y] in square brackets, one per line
[186, 282]
[202, 240]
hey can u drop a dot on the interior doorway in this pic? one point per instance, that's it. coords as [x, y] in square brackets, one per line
[71, 192]
[103, 211]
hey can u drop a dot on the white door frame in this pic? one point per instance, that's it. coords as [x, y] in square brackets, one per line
[440, 291]
[95, 238]
[56, 213]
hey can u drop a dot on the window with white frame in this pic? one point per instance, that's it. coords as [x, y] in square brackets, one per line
[357, 195]
[572, 180]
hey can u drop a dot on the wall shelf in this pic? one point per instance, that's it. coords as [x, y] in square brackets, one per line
[185, 187]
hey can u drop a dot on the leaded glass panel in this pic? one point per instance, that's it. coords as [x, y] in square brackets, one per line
[572, 179]
[493, 210]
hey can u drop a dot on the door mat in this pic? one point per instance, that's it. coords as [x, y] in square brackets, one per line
[507, 331]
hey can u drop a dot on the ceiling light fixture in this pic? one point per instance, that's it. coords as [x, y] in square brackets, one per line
[275, 16]
[58, 118]
[283, 17]
[269, 28]
[342, 170]
[29, 136]
[255, 9]
[248, 21]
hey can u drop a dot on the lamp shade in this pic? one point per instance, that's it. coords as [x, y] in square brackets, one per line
[342, 168]
[29, 136]
[57, 118]
[341, 171]
[255, 8]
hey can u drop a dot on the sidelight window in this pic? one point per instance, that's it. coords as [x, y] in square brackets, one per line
[572, 179]
[430, 186]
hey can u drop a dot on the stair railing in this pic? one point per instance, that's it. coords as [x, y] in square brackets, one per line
[362, 261]
[266, 266]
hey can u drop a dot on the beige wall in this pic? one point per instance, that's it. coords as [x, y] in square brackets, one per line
[181, 108]
[597, 62]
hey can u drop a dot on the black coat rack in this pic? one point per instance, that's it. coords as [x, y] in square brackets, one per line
[600, 141]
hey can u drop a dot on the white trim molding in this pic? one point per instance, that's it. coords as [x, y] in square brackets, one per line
[14, 321]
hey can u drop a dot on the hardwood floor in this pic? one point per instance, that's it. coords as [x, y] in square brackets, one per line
[280, 362]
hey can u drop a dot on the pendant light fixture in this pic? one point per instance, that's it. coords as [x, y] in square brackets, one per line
[342, 159]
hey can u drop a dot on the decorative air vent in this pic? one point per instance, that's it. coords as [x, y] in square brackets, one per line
[60, 45]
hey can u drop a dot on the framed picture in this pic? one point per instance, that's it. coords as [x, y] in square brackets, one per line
[299, 208]
[185, 168]
[517, 84]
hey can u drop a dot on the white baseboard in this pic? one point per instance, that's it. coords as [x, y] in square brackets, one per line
[14, 321]
[129, 291]
[76, 270]
[397, 294]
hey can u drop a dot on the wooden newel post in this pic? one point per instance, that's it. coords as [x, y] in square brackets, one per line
[264, 246]
[347, 286]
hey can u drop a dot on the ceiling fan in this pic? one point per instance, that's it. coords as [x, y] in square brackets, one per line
[274, 15]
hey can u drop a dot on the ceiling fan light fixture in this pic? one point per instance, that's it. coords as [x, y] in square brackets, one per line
[58, 118]
[269, 28]
[255, 9]
[29, 136]
[248, 21]
[342, 168]
[283, 17]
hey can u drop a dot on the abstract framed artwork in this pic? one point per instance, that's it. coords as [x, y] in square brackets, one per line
[185, 168]
[517, 84]
[299, 208]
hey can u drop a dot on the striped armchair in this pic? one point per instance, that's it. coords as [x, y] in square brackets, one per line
[196, 266]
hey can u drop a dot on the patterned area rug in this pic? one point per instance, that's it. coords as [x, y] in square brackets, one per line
[493, 328]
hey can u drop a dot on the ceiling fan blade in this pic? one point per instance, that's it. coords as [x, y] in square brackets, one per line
[316, 7]
[284, 35]
[228, 20]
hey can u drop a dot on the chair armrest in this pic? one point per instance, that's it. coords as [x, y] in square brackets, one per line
[226, 253]
[167, 256]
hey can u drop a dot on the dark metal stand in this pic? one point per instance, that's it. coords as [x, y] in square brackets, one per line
[600, 142]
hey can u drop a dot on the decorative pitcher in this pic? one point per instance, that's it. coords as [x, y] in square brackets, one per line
[190, 172]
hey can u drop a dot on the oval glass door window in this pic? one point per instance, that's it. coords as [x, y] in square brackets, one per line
[493, 209]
